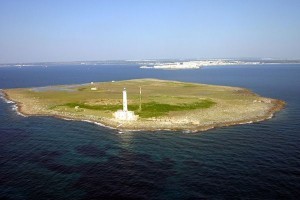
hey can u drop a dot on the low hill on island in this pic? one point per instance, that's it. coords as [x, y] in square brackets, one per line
[163, 104]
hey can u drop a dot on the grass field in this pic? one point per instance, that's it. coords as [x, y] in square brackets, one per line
[150, 109]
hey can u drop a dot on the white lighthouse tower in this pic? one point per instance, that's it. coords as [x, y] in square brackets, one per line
[125, 114]
[125, 100]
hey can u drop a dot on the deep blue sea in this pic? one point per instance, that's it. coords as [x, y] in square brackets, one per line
[48, 158]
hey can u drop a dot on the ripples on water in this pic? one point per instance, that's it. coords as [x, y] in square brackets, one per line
[48, 158]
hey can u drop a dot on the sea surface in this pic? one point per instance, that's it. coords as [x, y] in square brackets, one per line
[49, 158]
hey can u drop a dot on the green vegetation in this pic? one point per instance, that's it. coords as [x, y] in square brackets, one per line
[154, 109]
[82, 89]
[189, 85]
[150, 109]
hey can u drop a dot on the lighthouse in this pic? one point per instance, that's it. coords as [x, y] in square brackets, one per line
[125, 114]
[125, 109]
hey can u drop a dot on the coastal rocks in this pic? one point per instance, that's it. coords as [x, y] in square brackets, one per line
[262, 101]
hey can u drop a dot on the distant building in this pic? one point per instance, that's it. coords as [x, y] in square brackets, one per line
[125, 114]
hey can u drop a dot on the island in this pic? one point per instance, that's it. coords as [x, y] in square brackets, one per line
[147, 104]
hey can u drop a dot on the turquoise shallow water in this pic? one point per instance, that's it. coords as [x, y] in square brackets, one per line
[48, 158]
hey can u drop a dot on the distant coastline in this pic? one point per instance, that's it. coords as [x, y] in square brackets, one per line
[196, 64]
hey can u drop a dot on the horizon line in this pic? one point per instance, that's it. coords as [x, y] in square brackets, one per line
[153, 59]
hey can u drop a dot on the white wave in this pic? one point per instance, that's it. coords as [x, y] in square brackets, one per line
[5, 99]
[15, 108]
[67, 119]
[271, 116]
[189, 131]
[14, 105]
[97, 123]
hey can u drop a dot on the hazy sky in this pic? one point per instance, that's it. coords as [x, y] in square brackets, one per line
[50, 30]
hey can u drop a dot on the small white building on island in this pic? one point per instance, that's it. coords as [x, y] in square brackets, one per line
[94, 88]
[125, 114]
